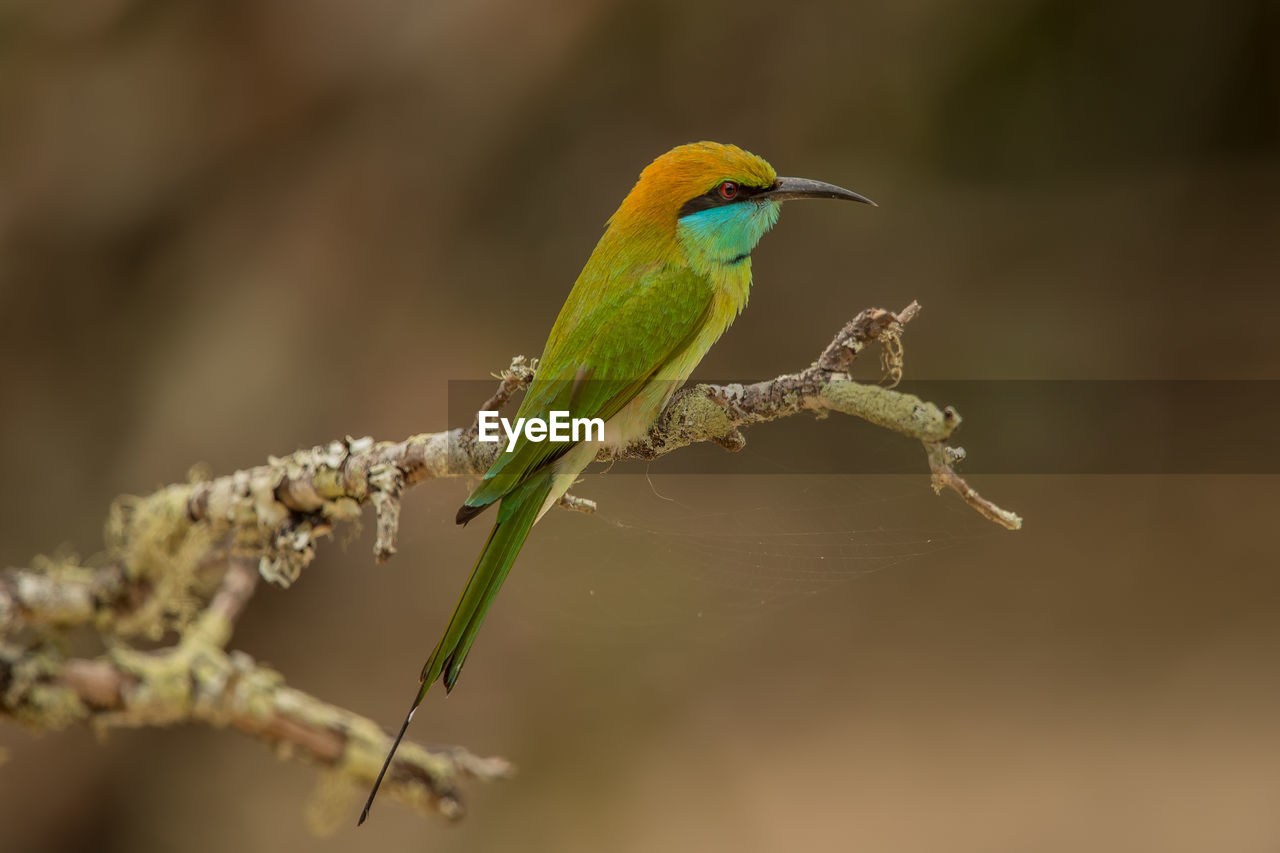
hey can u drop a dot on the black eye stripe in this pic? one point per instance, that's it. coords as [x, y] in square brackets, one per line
[712, 198]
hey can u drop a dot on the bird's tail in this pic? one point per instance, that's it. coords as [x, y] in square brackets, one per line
[516, 515]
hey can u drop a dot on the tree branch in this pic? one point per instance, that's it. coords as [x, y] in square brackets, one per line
[186, 559]
[197, 681]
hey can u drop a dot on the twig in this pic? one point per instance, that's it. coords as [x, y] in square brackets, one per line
[577, 504]
[941, 458]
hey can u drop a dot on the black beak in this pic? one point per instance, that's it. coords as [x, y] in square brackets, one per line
[791, 188]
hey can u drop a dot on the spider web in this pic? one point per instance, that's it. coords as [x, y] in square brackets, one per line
[677, 550]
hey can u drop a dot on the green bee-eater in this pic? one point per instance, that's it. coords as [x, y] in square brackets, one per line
[670, 274]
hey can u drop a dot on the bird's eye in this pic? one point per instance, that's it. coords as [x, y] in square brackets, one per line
[728, 191]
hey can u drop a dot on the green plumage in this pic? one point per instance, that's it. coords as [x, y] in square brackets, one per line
[609, 342]
[618, 328]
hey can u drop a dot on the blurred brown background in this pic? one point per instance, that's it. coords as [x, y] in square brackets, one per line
[237, 228]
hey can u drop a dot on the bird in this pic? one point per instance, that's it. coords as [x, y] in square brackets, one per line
[669, 275]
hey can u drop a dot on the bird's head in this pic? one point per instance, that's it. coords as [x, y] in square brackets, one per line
[716, 200]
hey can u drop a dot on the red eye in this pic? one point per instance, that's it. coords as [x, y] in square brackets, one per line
[728, 190]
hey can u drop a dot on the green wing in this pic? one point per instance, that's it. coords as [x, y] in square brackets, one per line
[604, 347]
